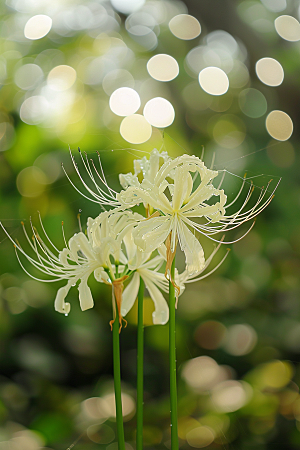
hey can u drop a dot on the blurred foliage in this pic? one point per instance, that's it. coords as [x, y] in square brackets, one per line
[238, 331]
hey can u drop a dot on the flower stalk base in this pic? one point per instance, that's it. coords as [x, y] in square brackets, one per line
[172, 362]
[140, 368]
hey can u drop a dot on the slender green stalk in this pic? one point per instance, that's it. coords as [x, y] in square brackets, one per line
[117, 382]
[172, 360]
[140, 368]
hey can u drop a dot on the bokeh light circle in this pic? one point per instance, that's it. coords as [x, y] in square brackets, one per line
[127, 6]
[31, 182]
[214, 81]
[240, 339]
[61, 78]
[159, 112]
[252, 103]
[279, 125]
[274, 5]
[37, 27]
[200, 437]
[185, 27]
[116, 79]
[231, 395]
[163, 67]
[28, 76]
[288, 28]
[269, 71]
[124, 101]
[34, 109]
[135, 129]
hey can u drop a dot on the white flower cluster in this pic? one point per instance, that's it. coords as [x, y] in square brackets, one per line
[119, 245]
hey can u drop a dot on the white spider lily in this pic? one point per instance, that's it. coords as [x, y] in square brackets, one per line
[183, 205]
[146, 268]
[81, 256]
[108, 251]
[175, 214]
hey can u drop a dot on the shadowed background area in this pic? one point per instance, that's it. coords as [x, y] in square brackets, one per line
[218, 78]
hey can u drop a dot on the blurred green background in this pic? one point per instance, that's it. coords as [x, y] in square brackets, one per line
[238, 331]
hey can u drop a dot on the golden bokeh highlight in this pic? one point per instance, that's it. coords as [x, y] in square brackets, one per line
[37, 27]
[277, 374]
[200, 437]
[135, 129]
[288, 28]
[231, 395]
[163, 67]
[269, 71]
[185, 27]
[31, 182]
[61, 78]
[214, 81]
[159, 112]
[124, 101]
[202, 373]
[240, 339]
[279, 125]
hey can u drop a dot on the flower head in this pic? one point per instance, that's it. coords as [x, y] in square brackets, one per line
[107, 251]
[184, 200]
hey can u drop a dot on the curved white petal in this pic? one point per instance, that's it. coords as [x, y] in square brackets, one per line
[192, 249]
[85, 295]
[183, 185]
[130, 294]
[150, 234]
[59, 303]
[161, 314]
[130, 246]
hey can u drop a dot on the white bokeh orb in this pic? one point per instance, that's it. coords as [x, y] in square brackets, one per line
[279, 125]
[159, 112]
[185, 27]
[163, 67]
[37, 27]
[269, 71]
[127, 6]
[124, 101]
[214, 81]
[135, 129]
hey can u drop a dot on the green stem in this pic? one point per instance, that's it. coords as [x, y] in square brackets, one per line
[172, 360]
[140, 368]
[117, 382]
